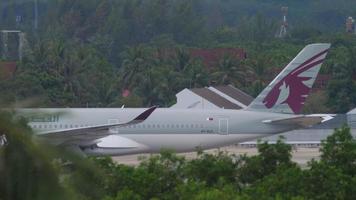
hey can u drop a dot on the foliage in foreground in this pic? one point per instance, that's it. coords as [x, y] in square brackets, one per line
[269, 175]
[31, 170]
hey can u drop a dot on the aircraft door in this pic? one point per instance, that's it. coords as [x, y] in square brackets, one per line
[113, 130]
[223, 126]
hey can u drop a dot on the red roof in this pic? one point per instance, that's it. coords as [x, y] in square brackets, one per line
[7, 69]
[211, 57]
[321, 81]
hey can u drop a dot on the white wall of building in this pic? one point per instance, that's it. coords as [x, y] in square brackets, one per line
[188, 99]
[351, 118]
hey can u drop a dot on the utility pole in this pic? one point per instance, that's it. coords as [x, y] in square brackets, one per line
[36, 15]
[4, 38]
[18, 13]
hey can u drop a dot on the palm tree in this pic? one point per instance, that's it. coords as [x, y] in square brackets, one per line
[182, 59]
[134, 64]
[230, 71]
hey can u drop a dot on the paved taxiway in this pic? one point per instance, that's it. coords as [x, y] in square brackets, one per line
[300, 155]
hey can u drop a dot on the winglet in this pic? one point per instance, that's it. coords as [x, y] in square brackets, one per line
[143, 116]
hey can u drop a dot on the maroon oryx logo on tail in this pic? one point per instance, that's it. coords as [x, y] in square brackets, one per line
[291, 89]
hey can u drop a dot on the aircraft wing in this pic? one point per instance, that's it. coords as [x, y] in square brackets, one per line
[301, 120]
[91, 132]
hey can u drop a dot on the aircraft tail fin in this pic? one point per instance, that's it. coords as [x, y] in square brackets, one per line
[288, 92]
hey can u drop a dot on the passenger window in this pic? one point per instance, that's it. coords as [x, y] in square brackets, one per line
[153, 126]
[45, 126]
[148, 126]
[158, 126]
[66, 126]
[182, 125]
[39, 126]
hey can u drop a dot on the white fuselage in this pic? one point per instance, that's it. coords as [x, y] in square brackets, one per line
[95, 130]
[177, 129]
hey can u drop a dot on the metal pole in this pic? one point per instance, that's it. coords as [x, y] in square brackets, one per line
[21, 44]
[36, 15]
[4, 42]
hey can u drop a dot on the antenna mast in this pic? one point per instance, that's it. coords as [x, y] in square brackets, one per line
[283, 29]
[350, 25]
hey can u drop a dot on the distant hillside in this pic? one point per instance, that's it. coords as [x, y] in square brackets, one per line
[86, 52]
[326, 15]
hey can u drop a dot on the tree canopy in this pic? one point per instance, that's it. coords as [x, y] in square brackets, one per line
[87, 53]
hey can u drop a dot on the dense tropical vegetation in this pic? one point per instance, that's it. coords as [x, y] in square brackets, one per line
[137, 52]
[32, 170]
[87, 53]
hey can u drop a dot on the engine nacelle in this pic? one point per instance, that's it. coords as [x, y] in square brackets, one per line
[113, 145]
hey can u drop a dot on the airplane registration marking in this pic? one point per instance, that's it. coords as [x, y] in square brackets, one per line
[207, 131]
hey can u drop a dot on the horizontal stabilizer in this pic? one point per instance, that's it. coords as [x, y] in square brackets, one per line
[301, 120]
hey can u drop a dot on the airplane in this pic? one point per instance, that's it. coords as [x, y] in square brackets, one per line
[122, 131]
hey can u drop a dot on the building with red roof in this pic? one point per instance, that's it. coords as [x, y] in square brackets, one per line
[211, 57]
[7, 69]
